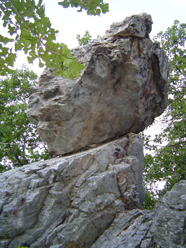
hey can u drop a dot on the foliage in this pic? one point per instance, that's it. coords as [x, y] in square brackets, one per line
[30, 30]
[93, 7]
[168, 161]
[85, 39]
[19, 141]
[150, 199]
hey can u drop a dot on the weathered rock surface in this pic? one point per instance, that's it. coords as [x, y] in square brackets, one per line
[70, 201]
[89, 199]
[93, 198]
[122, 88]
[164, 227]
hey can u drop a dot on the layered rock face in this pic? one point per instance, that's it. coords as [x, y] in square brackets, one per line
[70, 201]
[122, 88]
[89, 199]
[164, 227]
[92, 197]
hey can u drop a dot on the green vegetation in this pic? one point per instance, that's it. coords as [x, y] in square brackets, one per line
[21, 246]
[85, 39]
[30, 30]
[19, 141]
[167, 163]
[93, 7]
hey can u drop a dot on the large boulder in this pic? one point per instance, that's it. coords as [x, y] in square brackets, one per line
[122, 88]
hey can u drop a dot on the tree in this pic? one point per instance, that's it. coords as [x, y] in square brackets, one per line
[168, 161]
[19, 141]
[30, 30]
[85, 39]
[93, 7]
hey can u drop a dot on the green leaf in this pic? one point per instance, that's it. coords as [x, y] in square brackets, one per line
[30, 59]
[5, 40]
[104, 7]
[11, 29]
[65, 4]
[46, 21]
[10, 59]
[25, 32]
[4, 51]
[18, 46]
[40, 63]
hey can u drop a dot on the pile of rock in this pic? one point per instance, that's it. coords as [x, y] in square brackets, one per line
[93, 197]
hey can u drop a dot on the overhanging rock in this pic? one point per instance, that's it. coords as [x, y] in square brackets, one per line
[122, 88]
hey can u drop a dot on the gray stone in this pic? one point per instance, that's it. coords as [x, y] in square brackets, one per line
[168, 227]
[89, 199]
[135, 25]
[161, 228]
[122, 88]
[92, 198]
[70, 201]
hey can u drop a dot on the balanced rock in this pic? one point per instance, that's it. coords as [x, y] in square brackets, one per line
[122, 88]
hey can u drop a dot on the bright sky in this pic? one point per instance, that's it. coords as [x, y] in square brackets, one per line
[69, 22]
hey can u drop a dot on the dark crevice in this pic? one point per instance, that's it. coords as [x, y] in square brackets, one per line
[121, 195]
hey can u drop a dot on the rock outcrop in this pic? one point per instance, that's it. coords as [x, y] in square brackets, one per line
[89, 199]
[92, 196]
[122, 88]
[70, 201]
[164, 227]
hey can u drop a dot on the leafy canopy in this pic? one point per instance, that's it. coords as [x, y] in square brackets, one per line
[168, 163]
[93, 7]
[19, 141]
[30, 30]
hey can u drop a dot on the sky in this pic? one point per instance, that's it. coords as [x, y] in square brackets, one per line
[69, 22]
